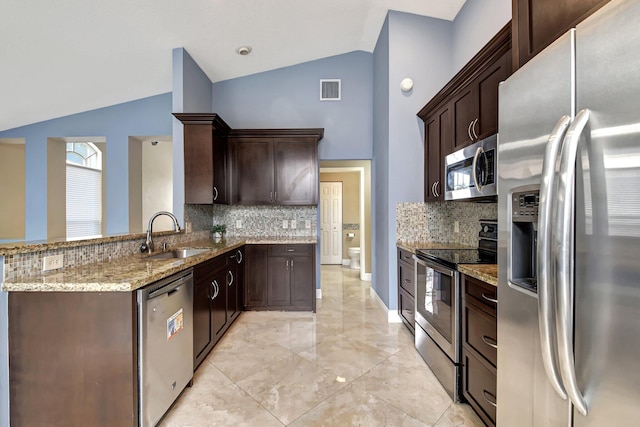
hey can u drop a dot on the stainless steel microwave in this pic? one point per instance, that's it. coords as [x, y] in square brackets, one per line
[470, 173]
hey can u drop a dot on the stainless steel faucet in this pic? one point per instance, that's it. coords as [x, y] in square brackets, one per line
[149, 241]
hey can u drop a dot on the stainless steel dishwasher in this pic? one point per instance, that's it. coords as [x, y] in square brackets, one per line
[165, 344]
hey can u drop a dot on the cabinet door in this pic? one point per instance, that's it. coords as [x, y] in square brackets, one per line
[437, 142]
[202, 336]
[537, 23]
[253, 171]
[255, 276]
[198, 164]
[302, 282]
[220, 168]
[296, 180]
[239, 278]
[464, 111]
[219, 303]
[279, 282]
[487, 87]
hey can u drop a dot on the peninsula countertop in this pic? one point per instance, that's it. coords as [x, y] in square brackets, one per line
[130, 273]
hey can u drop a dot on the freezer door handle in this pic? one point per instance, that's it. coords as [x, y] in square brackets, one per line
[546, 287]
[563, 248]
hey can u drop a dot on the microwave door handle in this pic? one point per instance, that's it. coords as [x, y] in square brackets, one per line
[563, 251]
[473, 169]
[546, 286]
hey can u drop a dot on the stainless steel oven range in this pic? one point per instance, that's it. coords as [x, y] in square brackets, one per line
[437, 332]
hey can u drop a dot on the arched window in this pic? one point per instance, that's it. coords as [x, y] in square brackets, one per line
[84, 190]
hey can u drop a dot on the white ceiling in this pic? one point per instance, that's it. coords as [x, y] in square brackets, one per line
[67, 56]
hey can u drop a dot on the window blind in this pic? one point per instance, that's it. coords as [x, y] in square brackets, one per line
[84, 202]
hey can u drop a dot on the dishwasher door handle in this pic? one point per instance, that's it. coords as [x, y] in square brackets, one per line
[170, 287]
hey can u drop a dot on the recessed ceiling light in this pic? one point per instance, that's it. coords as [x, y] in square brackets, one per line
[243, 50]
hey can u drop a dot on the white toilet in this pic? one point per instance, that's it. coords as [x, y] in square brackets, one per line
[354, 254]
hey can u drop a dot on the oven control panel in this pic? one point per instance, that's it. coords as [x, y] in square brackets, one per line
[525, 206]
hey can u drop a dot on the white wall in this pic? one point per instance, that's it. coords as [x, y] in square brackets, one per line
[157, 183]
[12, 189]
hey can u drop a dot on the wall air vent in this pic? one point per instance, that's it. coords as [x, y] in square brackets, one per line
[330, 90]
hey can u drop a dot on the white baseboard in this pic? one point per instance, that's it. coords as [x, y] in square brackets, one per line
[318, 293]
[365, 277]
[346, 261]
[392, 316]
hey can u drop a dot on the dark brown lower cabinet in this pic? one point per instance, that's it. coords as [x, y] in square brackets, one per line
[73, 359]
[280, 277]
[479, 347]
[406, 291]
[217, 300]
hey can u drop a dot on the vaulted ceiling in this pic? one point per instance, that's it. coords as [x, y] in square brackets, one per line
[67, 56]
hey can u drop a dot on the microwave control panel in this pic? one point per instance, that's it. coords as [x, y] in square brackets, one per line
[525, 206]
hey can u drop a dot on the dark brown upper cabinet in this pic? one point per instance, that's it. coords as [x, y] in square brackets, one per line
[275, 166]
[465, 110]
[537, 23]
[206, 158]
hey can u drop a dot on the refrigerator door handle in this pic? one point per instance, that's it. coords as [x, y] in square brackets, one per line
[563, 246]
[546, 288]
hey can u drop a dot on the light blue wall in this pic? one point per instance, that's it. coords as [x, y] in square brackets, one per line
[191, 94]
[148, 116]
[290, 97]
[469, 37]
[418, 48]
[380, 169]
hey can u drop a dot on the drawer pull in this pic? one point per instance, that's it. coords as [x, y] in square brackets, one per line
[290, 250]
[489, 398]
[493, 300]
[407, 280]
[490, 341]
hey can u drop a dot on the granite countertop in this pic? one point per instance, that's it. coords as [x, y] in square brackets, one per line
[413, 246]
[486, 272]
[128, 274]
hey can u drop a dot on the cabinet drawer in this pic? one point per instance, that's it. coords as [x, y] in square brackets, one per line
[210, 266]
[483, 294]
[479, 387]
[404, 255]
[480, 332]
[290, 250]
[405, 278]
[406, 307]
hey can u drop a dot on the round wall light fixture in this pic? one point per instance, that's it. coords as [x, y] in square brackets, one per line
[243, 50]
[406, 85]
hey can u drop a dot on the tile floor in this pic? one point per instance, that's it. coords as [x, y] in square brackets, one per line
[343, 366]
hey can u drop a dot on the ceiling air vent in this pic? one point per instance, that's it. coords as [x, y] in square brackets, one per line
[330, 89]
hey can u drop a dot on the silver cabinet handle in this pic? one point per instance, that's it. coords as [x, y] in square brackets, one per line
[563, 245]
[433, 191]
[473, 128]
[493, 300]
[435, 188]
[490, 341]
[275, 195]
[469, 130]
[230, 277]
[239, 259]
[287, 264]
[271, 196]
[215, 195]
[546, 287]
[213, 292]
[489, 398]
[216, 290]
[292, 263]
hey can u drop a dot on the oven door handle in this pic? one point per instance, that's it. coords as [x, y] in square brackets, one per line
[434, 266]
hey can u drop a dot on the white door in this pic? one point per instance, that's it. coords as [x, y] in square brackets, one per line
[331, 222]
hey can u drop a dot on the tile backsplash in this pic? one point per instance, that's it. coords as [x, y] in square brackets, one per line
[435, 222]
[267, 221]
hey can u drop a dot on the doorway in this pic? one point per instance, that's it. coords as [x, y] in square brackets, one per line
[331, 223]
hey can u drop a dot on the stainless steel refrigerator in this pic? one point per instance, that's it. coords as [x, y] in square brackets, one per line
[569, 229]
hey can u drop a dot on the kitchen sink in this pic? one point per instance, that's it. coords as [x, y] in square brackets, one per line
[177, 254]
